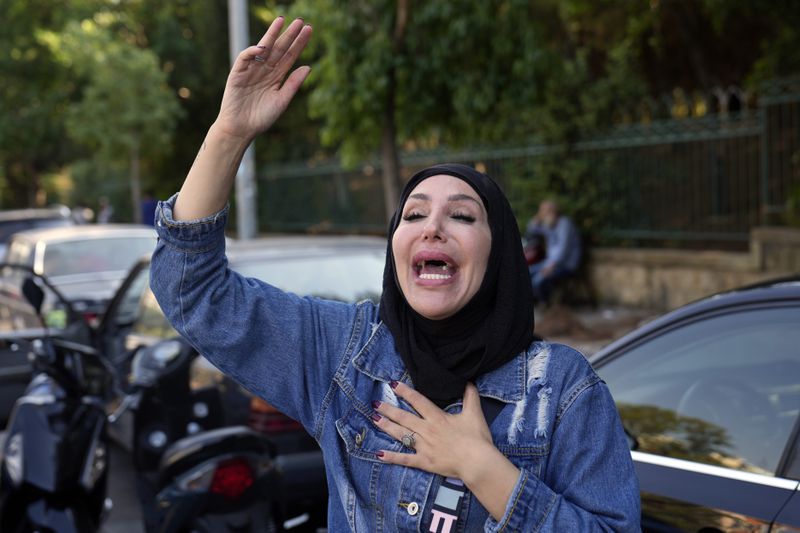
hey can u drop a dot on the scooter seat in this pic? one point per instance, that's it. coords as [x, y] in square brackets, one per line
[195, 449]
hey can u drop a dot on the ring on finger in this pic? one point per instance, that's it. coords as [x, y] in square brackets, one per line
[260, 59]
[409, 441]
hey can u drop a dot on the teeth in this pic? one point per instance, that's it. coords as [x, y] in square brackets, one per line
[435, 276]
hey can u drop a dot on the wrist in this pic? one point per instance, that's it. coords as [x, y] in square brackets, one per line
[483, 462]
[218, 134]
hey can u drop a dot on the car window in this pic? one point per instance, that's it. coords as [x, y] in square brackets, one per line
[151, 321]
[353, 276]
[723, 390]
[128, 310]
[95, 255]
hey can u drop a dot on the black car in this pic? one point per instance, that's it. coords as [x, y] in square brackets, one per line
[710, 396]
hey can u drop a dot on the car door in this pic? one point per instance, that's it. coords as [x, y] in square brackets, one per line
[712, 403]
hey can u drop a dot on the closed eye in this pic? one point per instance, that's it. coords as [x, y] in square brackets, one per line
[464, 217]
[409, 217]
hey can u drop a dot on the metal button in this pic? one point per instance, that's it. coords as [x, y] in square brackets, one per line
[413, 508]
[360, 437]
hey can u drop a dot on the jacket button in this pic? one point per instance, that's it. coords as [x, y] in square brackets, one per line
[413, 508]
[360, 437]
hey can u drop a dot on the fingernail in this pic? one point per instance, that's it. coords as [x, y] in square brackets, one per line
[379, 454]
[375, 417]
[260, 46]
[393, 384]
[376, 404]
[300, 19]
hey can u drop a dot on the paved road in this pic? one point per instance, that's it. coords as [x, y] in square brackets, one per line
[125, 517]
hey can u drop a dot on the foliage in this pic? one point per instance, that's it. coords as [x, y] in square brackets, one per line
[32, 102]
[467, 71]
[456, 73]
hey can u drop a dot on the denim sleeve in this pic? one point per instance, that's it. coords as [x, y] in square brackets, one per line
[279, 346]
[591, 482]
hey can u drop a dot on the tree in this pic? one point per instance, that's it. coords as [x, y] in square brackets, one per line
[391, 73]
[127, 110]
[33, 95]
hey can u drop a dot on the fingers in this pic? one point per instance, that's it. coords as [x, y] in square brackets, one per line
[277, 50]
[472, 399]
[394, 429]
[272, 34]
[419, 402]
[398, 458]
[296, 47]
[294, 81]
[398, 416]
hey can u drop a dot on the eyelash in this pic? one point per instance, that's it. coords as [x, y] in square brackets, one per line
[410, 217]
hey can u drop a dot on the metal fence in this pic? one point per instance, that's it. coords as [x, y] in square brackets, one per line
[708, 179]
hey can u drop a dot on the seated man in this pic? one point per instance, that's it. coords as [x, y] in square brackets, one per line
[562, 249]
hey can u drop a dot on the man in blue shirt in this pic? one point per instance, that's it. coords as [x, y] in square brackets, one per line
[563, 249]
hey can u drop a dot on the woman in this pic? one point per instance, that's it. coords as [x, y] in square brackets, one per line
[398, 394]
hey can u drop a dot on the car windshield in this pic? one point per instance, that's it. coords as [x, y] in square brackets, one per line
[350, 277]
[95, 255]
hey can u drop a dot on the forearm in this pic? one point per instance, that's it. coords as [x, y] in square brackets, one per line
[208, 184]
[491, 478]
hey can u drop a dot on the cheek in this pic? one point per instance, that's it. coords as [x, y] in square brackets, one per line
[399, 252]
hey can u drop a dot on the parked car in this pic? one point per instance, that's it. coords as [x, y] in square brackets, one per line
[16, 220]
[710, 396]
[86, 263]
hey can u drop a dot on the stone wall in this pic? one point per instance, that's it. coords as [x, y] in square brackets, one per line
[665, 279]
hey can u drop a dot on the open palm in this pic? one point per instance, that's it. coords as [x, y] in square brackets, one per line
[258, 90]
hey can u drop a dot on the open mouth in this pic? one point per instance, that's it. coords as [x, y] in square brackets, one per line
[434, 269]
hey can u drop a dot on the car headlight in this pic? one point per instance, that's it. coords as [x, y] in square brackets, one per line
[14, 458]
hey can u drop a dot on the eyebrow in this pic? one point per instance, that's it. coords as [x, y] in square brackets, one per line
[452, 198]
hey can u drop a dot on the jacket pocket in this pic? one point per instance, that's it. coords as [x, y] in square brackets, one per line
[530, 458]
[362, 439]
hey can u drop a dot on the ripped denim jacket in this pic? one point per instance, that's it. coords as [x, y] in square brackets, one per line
[324, 363]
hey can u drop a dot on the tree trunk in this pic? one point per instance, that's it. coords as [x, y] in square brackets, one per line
[136, 184]
[390, 160]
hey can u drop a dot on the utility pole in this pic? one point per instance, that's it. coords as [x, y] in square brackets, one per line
[245, 176]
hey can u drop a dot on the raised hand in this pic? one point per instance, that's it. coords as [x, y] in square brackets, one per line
[258, 90]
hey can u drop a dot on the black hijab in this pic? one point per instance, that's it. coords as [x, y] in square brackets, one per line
[490, 330]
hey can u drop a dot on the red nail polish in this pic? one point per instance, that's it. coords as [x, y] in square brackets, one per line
[375, 417]
[379, 454]
[393, 384]
[376, 404]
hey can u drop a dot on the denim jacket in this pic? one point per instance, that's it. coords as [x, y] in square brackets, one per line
[324, 363]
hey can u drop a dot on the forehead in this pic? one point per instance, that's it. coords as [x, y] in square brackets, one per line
[442, 187]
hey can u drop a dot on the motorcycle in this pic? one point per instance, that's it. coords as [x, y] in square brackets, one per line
[193, 473]
[54, 465]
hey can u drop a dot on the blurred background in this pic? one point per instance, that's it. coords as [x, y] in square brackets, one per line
[656, 124]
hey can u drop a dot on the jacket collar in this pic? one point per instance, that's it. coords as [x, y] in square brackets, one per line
[380, 360]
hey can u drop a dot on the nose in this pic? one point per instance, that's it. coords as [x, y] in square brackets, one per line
[432, 230]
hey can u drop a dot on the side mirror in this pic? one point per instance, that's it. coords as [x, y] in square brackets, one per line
[33, 293]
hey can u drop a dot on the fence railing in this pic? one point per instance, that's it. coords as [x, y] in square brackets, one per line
[708, 179]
